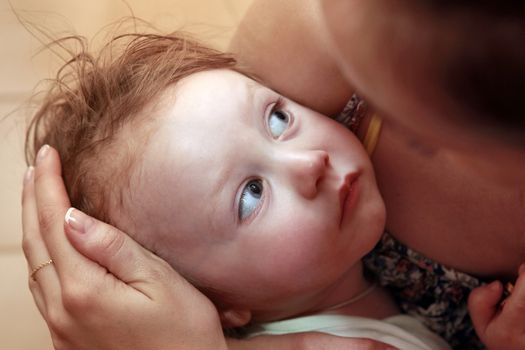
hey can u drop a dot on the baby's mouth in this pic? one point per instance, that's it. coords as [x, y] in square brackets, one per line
[347, 193]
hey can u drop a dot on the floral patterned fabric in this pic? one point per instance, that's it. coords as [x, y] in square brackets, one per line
[434, 294]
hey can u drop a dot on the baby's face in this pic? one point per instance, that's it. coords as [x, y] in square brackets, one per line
[252, 194]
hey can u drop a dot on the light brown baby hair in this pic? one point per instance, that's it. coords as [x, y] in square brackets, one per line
[93, 98]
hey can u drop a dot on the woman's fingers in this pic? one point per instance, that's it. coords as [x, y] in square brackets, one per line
[499, 322]
[43, 283]
[483, 305]
[114, 250]
[514, 308]
[52, 203]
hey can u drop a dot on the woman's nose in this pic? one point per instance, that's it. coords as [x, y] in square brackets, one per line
[306, 169]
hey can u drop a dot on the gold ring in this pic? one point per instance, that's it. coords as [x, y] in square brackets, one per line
[36, 269]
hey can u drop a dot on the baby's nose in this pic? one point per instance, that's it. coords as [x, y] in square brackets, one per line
[307, 169]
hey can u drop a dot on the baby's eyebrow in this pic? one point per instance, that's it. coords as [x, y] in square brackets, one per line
[223, 193]
[253, 86]
[223, 176]
[253, 90]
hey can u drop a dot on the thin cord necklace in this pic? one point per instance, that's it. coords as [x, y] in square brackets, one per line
[354, 299]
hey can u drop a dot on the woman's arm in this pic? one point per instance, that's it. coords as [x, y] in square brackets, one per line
[284, 43]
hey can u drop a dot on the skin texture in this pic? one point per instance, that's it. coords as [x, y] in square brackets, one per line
[500, 323]
[438, 175]
[91, 297]
[270, 35]
[396, 54]
[81, 295]
[500, 256]
[214, 139]
[427, 185]
[393, 53]
[406, 86]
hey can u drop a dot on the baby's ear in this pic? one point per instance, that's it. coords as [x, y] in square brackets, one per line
[232, 318]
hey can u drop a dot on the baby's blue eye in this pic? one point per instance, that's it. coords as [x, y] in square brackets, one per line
[250, 198]
[278, 122]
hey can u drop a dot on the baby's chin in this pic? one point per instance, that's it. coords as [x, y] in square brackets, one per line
[374, 228]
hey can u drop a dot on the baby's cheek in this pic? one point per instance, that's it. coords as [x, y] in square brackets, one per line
[302, 247]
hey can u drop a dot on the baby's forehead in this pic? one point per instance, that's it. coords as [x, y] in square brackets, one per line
[192, 143]
[217, 82]
[190, 119]
[217, 94]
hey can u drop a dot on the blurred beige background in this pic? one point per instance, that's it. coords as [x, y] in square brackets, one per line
[21, 327]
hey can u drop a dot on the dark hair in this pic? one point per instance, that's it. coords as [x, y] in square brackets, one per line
[492, 7]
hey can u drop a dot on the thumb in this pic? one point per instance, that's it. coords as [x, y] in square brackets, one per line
[483, 305]
[108, 246]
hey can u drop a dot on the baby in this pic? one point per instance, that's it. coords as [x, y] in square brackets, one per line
[265, 205]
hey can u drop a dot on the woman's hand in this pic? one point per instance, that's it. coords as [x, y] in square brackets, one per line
[103, 290]
[500, 325]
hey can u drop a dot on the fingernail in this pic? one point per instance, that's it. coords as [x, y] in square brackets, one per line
[521, 269]
[77, 220]
[42, 153]
[28, 175]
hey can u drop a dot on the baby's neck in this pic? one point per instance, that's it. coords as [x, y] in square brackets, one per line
[356, 296]
[377, 304]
